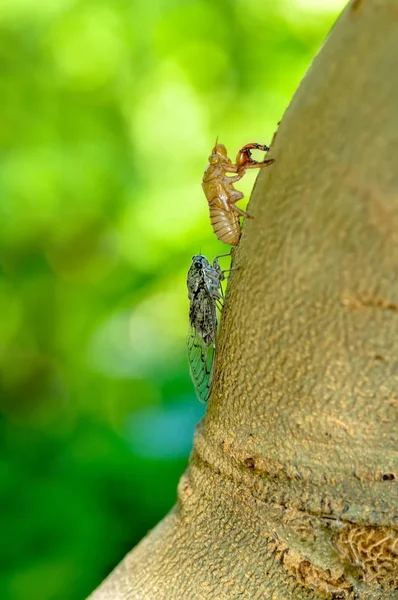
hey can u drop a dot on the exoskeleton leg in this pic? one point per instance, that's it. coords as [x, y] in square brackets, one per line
[230, 168]
[235, 197]
[240, 212]
[254, 146]
[253, 164]
[244, 159]
[235, 178]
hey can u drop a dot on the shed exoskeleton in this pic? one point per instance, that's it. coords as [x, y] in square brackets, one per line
[220, 192]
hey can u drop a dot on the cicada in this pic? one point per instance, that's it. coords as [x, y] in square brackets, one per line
[206, 297]
[220, 192]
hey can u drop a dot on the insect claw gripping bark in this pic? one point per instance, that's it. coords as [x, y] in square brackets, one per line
[220, 192]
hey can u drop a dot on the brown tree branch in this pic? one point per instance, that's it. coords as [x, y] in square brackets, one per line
[291, 490]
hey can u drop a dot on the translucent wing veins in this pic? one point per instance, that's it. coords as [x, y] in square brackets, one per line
[205, 294]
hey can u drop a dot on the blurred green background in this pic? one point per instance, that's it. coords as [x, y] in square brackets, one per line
[109, 110]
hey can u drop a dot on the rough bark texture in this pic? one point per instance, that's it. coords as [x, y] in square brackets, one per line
[291, 491]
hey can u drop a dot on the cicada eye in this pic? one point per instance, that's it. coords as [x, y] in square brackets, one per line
[197, 261]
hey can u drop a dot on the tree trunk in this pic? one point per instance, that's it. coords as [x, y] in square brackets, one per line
[291, 490]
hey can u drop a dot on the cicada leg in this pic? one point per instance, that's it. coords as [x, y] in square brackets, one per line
[234, 197]
[217, 266]
[254, 146]
[253, 164]
[220, 256]
[244, 158]
[235, 178]
[240, 212]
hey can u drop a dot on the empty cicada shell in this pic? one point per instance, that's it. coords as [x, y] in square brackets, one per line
[220, 192]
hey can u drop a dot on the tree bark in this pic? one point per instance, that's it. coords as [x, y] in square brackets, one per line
[291, 490]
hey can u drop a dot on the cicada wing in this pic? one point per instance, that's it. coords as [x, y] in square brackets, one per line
[200, 358]
[203, 316]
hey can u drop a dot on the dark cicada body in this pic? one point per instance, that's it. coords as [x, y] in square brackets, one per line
[205, 295]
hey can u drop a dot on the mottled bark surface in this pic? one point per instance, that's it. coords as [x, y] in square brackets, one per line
[291, 491]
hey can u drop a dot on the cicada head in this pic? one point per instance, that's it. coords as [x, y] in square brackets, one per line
[218, 154]
[220, 149]
[199, 261]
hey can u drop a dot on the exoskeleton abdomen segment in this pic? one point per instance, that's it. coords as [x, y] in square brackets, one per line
[226, 225]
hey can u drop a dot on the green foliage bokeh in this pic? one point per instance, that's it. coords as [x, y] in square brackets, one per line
[109, 109]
